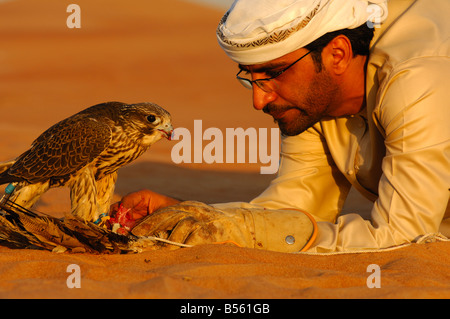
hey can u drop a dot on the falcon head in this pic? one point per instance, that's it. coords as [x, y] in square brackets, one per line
[150, 121]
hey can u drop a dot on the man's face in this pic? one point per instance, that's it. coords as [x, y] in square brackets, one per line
[302, 96]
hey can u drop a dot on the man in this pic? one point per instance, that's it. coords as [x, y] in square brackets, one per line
[376, 120]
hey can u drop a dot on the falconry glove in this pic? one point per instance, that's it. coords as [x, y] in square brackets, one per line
[195, 223]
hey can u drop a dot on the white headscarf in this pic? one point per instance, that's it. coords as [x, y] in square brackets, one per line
[257, 31]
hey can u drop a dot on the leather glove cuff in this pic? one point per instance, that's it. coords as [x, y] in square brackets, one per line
[277, 230]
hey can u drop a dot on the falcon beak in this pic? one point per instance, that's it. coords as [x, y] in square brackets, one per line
[167, 131]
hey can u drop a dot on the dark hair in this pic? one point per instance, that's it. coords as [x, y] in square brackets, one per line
[359, 37]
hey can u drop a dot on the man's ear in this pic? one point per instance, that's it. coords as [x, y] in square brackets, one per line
[338, 54]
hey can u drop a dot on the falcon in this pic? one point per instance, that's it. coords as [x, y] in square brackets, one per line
[84, 152]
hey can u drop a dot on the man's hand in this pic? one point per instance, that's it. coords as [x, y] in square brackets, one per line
[143, 203]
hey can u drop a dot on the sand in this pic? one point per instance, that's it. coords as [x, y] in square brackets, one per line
[165, 52]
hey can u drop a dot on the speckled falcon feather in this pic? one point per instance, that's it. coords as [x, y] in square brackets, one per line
[62, 150]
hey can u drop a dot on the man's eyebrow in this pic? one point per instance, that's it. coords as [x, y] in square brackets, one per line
[261, 69]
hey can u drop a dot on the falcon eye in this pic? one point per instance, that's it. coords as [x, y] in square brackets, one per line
[151, 118]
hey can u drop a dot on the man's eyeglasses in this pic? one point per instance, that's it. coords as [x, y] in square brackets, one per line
[266, 84]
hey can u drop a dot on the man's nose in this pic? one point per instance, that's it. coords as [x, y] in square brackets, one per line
[261, 98]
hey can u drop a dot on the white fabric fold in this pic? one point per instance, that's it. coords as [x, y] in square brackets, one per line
[257, 31]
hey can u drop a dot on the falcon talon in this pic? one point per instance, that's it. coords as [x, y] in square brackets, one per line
[102, 219]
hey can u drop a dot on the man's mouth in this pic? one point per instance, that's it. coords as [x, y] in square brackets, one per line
[277, 114]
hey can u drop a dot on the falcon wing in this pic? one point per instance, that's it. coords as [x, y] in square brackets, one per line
[62, 150]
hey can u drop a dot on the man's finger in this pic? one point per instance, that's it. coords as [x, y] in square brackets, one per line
[184, 229]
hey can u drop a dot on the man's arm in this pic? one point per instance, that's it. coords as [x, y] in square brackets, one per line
[414, 187]
[308, 178]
